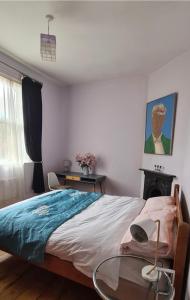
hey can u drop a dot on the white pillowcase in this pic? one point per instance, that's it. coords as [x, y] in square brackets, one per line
[164, 209]
[160, 203]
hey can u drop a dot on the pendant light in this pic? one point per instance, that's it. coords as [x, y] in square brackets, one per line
[48, 44]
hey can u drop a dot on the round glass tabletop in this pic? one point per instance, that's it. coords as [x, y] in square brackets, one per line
[119, 278]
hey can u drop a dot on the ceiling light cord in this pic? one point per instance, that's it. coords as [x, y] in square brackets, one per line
[49, 18]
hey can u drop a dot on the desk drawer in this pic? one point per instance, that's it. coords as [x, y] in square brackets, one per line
[75, 178]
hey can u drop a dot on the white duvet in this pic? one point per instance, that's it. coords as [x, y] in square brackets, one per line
[94, 234]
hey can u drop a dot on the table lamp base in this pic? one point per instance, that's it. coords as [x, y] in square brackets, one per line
[152, 276]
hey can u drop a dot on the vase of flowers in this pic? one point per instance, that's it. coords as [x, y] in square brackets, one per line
[87, 162]
[85, 171]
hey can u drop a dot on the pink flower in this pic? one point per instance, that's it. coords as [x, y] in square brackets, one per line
[86, 160]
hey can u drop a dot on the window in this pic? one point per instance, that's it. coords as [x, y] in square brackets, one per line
[12, 147]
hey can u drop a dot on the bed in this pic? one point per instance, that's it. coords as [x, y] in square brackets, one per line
[84, 243]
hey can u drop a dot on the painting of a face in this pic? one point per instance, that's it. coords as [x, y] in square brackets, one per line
[160, 117]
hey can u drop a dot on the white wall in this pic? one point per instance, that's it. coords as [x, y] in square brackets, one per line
[175, 77]
[54, 127]
[54, 100]
[107, 118]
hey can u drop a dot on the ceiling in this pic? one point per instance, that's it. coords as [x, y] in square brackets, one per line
[96, 40]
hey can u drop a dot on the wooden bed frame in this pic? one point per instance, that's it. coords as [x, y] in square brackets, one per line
[67, 270]
[182, 241]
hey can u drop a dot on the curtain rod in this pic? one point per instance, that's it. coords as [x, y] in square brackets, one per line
[18, 71]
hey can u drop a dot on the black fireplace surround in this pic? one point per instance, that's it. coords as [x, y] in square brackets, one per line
[156, 183]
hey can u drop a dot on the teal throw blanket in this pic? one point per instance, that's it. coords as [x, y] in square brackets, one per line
[26, 226]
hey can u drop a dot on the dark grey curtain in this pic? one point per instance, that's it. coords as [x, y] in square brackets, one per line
[32, 113]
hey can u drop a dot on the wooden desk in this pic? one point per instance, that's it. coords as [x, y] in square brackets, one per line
[80, 178]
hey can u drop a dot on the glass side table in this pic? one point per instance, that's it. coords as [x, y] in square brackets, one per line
[119, 278]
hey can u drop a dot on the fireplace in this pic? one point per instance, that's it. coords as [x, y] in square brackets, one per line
[157, 183]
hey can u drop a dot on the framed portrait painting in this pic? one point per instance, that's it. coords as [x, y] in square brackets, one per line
[160, 123]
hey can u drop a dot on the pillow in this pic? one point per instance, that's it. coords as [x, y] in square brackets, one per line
[159, 203]
[166, 217]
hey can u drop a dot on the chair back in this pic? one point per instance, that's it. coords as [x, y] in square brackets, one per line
[52, 180]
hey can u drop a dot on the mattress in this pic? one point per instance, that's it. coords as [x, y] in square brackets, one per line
[94, 234]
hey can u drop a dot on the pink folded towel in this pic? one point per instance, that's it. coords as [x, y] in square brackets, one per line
[147, 249]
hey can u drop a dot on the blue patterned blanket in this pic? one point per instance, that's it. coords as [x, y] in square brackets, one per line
[26, 226]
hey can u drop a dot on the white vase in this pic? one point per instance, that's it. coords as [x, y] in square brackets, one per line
[85, 171]
[91, 171]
